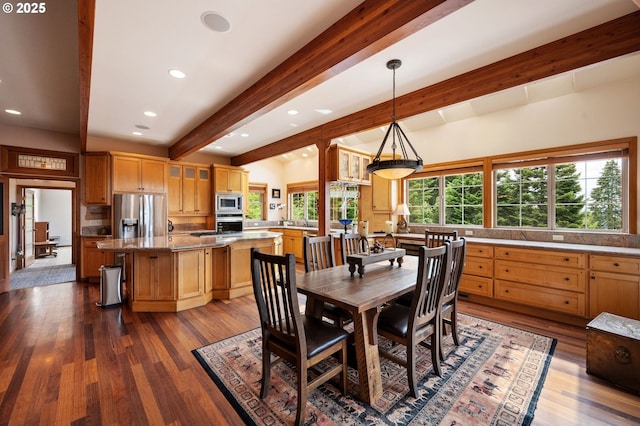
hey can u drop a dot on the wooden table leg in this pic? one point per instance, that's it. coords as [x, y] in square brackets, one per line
[367, 356]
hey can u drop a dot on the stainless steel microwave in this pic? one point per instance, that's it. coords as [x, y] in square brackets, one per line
[229, 203]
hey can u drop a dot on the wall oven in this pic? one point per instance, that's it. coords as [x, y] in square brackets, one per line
[228, 223]
[229, 203]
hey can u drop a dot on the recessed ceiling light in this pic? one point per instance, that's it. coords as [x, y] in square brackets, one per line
[292, 112]
[293, 125]
[141, 126]
[229, 135]
[177, 74]
[137, 133]
[324, 111]
[244, 135]
[215, 22]
[304, 154]
[12, 111]
[308, 148]
[217, 147]
[150, 113]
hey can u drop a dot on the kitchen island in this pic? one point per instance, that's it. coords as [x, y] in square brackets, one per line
[174, 273]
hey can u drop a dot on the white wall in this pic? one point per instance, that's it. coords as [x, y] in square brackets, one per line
[54, 206]
[277, 174]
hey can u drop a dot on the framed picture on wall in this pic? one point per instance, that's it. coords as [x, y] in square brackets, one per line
[275, 193]
[272, 206]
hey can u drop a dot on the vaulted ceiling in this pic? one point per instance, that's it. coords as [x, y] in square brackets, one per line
[324, 59]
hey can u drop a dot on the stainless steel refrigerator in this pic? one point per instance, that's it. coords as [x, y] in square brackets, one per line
[139, 215]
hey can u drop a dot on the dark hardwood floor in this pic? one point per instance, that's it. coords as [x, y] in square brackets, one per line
[66, 361]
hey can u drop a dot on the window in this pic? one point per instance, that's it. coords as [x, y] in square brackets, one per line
[591, 186]
[257, 202]
[454, 199]
[303, 201]
[587, 195]
[344, 202]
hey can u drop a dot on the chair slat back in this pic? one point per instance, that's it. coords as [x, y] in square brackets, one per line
[436, 238]
[434, 269]
[274, 287]
[350, 244]
[458, 253]
[318, 253]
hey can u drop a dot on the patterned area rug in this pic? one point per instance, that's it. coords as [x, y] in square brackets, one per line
[39, 276]
[493, 378]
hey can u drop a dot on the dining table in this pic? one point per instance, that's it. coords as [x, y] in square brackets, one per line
[363, 297]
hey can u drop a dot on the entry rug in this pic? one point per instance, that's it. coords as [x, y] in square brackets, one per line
[40, 276]
[493, 378]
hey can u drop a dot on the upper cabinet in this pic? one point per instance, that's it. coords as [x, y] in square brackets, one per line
[138, 174]
[97, 180]
[227, 178]
[348, 165]
[189, 188]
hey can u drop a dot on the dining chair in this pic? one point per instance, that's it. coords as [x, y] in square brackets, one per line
[431, 239]
[319, 253]
[412, 325]
[449, 309]
[350, 244]
[302, 340]
[436, 238]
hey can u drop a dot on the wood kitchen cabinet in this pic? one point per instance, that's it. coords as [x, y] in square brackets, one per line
[191, 267]
[477, 276]
[376, 202]
[97, 178]
[292, 242]
[549, 279]
[92, 258]
[227, 178]
[189, 189]
[138, 174]
[614, 286]
[153, 276]
[348, 165]
[245, 193]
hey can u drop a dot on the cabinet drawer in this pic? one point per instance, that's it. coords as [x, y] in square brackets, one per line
[544, 257]
[624, 265]
[291, 232]
[90, 242]
[478, 266]
[542, 275]
[479, 250]
[555, 300]
[476, 285]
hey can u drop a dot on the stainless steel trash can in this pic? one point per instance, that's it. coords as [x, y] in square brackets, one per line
[110, 289]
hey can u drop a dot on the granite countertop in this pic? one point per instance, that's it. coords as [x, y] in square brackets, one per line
[609, 250]
[181, 242]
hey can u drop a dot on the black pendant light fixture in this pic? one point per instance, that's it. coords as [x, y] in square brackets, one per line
[401, 167]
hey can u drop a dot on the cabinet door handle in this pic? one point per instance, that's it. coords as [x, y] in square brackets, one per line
[506, 291]
[566, 259]
[506, 270]
[153, 257]
[567, 279]
[616, 264]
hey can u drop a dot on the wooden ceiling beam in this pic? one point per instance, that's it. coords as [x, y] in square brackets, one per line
[366, 30]
[86, 19]
[609, 40]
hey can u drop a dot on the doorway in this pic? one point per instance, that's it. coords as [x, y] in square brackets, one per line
[44, 234]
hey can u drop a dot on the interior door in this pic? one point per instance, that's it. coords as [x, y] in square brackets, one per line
[28, 228]
[4, 232]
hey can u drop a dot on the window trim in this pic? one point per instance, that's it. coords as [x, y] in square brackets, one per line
[262, 188]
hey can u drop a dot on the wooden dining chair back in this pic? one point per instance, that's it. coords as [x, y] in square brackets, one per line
[350, 244]
[303, 341]
[449, 309]
[412, 325]
[436, 238]
[319, 253]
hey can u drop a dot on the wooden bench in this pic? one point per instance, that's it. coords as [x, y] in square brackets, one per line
[45, 248]
[362, 259]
